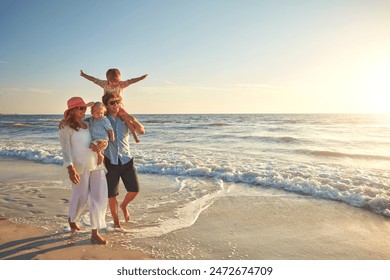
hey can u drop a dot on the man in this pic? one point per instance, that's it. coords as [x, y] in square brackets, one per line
[118, 160]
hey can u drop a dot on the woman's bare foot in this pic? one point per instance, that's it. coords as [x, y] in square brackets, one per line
[97, 239]
[73, 226]
[125, 212]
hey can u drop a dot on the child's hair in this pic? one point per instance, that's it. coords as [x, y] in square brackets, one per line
[98, 105]
[113, 74]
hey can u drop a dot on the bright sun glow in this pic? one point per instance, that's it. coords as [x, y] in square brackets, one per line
[376, 86]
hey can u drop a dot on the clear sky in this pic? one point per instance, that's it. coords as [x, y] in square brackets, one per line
[203, 56]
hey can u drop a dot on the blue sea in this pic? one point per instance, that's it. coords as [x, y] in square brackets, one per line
[344, 158]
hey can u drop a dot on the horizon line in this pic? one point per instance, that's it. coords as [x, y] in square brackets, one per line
[301, 113]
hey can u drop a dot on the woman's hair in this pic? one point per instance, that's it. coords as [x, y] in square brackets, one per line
[69, 120]
[113, 74]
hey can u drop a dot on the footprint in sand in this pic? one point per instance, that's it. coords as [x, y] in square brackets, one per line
[62, 216]
[30, 205]
[37, 212]
[64, 200]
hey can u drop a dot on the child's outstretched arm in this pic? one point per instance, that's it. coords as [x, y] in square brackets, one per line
[134, 80]
[89, 78]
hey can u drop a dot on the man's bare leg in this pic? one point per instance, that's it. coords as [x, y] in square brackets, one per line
[113, 202]
[128, 198]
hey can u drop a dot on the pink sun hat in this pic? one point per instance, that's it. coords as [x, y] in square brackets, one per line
[76, 102]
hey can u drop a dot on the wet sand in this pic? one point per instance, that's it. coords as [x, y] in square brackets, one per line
[247, 227]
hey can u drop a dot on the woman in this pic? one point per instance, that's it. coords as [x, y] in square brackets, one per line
[88, 179]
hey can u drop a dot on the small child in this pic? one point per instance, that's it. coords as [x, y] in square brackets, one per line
[113, 84]
[100, 127]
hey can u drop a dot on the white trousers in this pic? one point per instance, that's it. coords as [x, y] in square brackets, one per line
[91, 190]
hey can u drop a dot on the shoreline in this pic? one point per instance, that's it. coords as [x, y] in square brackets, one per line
[255, 225]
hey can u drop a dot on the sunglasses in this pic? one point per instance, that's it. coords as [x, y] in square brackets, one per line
[82, 108]
[114, 102]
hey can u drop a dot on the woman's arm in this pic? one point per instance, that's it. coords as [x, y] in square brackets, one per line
[100, 146]
[64, 135]
[73, 175]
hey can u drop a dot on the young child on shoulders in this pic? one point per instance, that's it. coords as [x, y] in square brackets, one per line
[100, 127]
[114, 84]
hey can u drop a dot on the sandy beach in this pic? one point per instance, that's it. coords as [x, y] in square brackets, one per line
[26, 242]
[248, 227]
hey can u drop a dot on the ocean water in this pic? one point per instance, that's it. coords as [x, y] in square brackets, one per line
[332, 157]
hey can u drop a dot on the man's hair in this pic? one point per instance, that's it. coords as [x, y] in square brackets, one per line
[110, 95]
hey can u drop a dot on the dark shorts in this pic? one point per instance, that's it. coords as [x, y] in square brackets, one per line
[126, 171]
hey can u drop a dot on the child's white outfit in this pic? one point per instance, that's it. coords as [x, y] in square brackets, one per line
[107, 89]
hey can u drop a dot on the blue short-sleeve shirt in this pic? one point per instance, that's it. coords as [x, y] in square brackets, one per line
[99, 128]
[120, 148]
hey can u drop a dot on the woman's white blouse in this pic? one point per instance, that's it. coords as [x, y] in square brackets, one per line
[76, 151]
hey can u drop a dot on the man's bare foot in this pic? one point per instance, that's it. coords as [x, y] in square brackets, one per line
[137, 140]
[125, 212]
